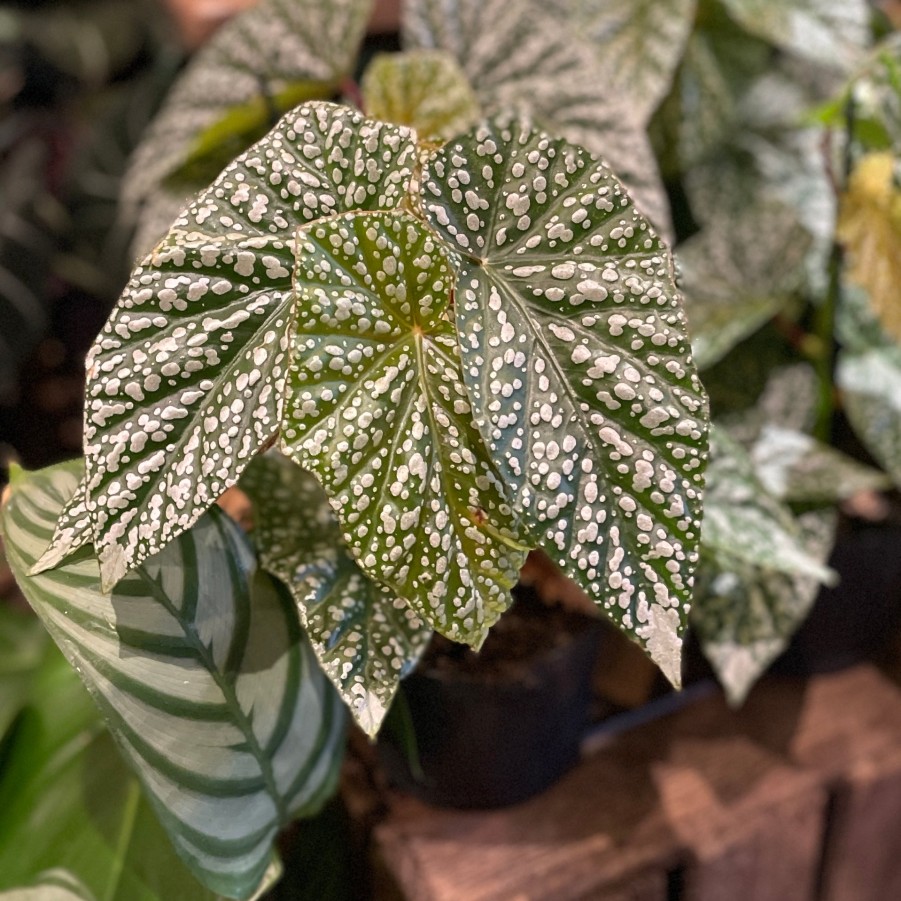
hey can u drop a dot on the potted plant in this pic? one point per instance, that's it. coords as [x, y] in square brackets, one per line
[425, 340]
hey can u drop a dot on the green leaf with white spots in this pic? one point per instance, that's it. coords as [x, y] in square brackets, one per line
[797, 468]
[577, 363]
[365, 638]
[200, 666]
[185, 381]
[639, 43]
[255, 68]
[424, 89]
[870, 382]
[520, 55]
[832, 33]
[378, 411]
[745, 615]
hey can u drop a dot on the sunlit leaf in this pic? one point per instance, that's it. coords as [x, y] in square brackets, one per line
[185, 382]
[869, 227]
[521, 55]
[378, 411]
[200, 666]
[255, 68]
[424, 89]
[366, 639]
[578, 366]
[638, 43]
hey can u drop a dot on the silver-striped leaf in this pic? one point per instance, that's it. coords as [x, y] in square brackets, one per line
[185, 381]
[578, 367]
[202, 670]
[365, 638]
[377, 409]
[520, 55]
[255, 68]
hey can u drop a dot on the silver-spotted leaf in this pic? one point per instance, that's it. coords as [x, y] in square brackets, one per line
[185, 380]
[745, 614]
[201, 668]
[424, 89]
[365, 638]
[578, 366]
[378, 411]
[254, 68]
[639, 43]
[520, 55]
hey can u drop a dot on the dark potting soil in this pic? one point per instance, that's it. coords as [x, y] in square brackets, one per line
[531, 628]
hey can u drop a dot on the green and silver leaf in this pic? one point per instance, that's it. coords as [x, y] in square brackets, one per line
[201, 668]
[377, 409]
[870, 382]
[797, 468]
[256, 67]
[424, 89]
[831, 33]
[578, 366]
[638, 43]
[745, 614]
[365, 638]
[185, 382]
[520, 55]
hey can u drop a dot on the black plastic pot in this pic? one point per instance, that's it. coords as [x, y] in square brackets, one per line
[486, 741]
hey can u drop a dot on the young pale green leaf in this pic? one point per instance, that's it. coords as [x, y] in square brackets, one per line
[254, 68]
[870, 381]
[578, 367]
[365, 637]
[378, 411]
[745, 615]
[638, 43]
[831, 33]
[797, 468]
[185, 381]
[202, 671]
[424, 89]
[521, 55]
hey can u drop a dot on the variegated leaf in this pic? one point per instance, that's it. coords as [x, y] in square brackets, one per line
[424, 89]
[520, 55]
[185, 381]
[870, 381]
[202, 670]
[797, 468]
[745, 614]
[365, 637]
[258, 66]
[578, 367]
[831, 33]
[378, 411]
[639, 43]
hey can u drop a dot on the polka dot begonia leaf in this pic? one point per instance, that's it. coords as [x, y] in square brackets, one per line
[577, 362]
[365, 638]
[185, 381]
[377, 409]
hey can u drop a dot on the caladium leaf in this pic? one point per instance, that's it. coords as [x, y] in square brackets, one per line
[638, 43]
[185, 380]
[795, 467]
[202, 670]
[832, 33]
[520, 55]
[378, 411]
[578, 367]
[365, 638]
[424, 89]
[870, 381]
[255, 68]
[745, 615]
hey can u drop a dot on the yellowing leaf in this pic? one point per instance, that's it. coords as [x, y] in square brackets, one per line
[869, 227]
